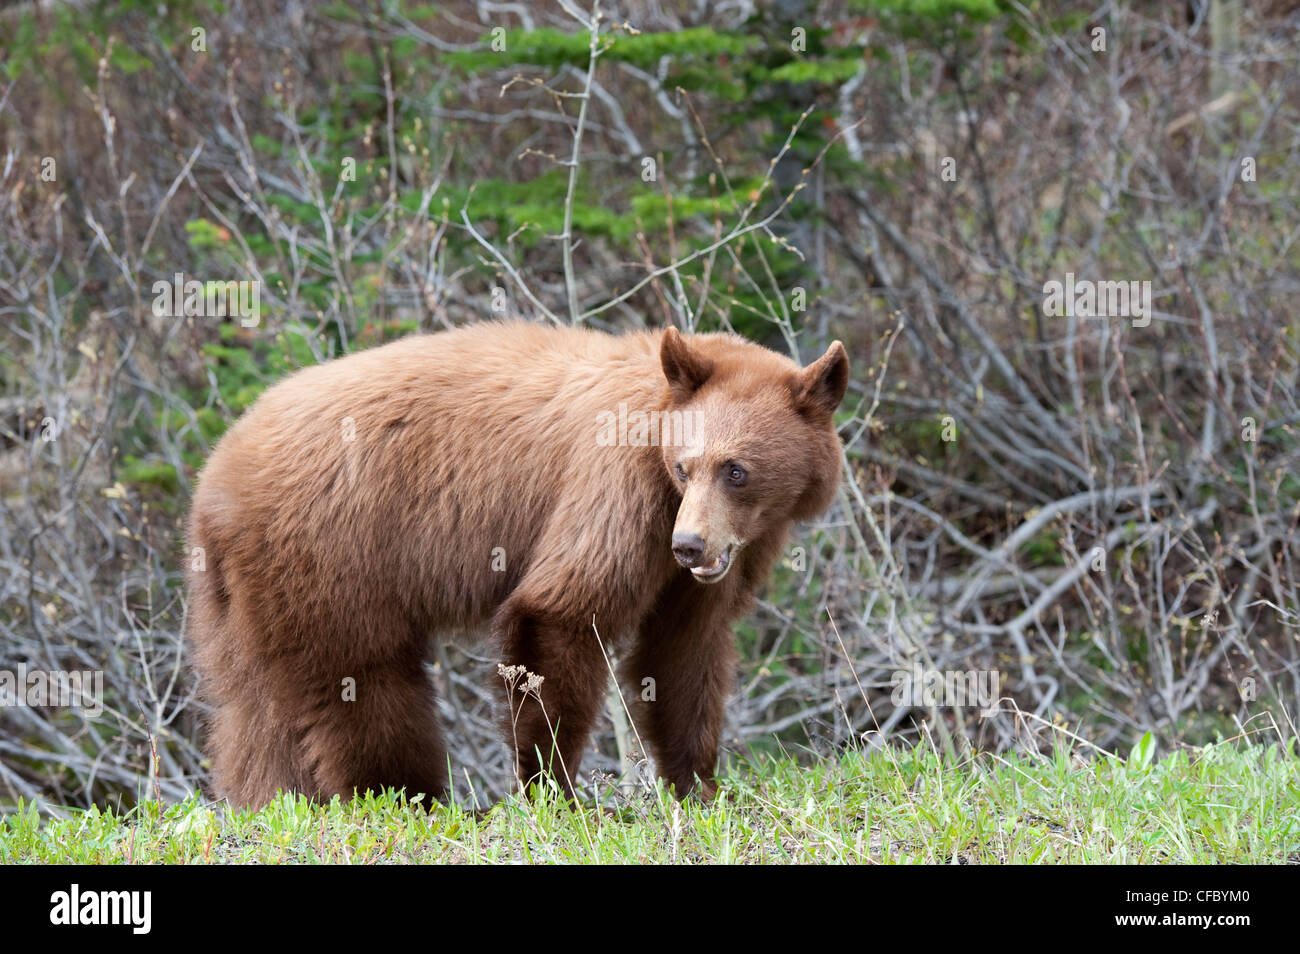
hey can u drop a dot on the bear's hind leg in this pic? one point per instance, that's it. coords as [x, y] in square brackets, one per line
[382, 734]
[252, 756]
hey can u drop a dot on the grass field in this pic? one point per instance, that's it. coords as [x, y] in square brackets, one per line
[1228, 803]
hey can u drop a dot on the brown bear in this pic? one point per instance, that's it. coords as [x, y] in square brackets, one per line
[501, 474]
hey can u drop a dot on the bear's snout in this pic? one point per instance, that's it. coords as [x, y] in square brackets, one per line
[691, 552]
[688, 548]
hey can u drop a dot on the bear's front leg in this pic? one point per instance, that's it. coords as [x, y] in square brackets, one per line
[680, 675]
[549, 721]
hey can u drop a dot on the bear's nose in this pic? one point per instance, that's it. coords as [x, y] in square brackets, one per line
[688, 548]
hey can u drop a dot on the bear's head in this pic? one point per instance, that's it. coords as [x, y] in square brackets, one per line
[758, 447]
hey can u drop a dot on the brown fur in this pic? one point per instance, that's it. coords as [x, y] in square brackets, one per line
[328, 558]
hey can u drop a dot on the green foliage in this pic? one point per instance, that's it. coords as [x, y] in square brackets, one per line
[900, 806]
[140, 471]
[932, 20]
[755, 68]
[243, 366]
[1143, 752]
[550, 49]
[535, 209]
[82, 34]
[977, 11]
[204, 235]
[1043, 549]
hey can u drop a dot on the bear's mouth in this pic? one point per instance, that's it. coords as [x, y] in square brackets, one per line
[712, 572]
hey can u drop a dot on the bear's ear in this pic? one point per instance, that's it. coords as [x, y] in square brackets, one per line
[820, 387]
[683, 367]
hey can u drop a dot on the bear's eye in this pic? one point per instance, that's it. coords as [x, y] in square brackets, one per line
[736, 475]
[680, 471]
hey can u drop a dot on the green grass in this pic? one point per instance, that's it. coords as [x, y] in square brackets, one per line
[1227, 803]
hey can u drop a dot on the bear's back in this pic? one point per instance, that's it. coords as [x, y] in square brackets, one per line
[425, 472]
